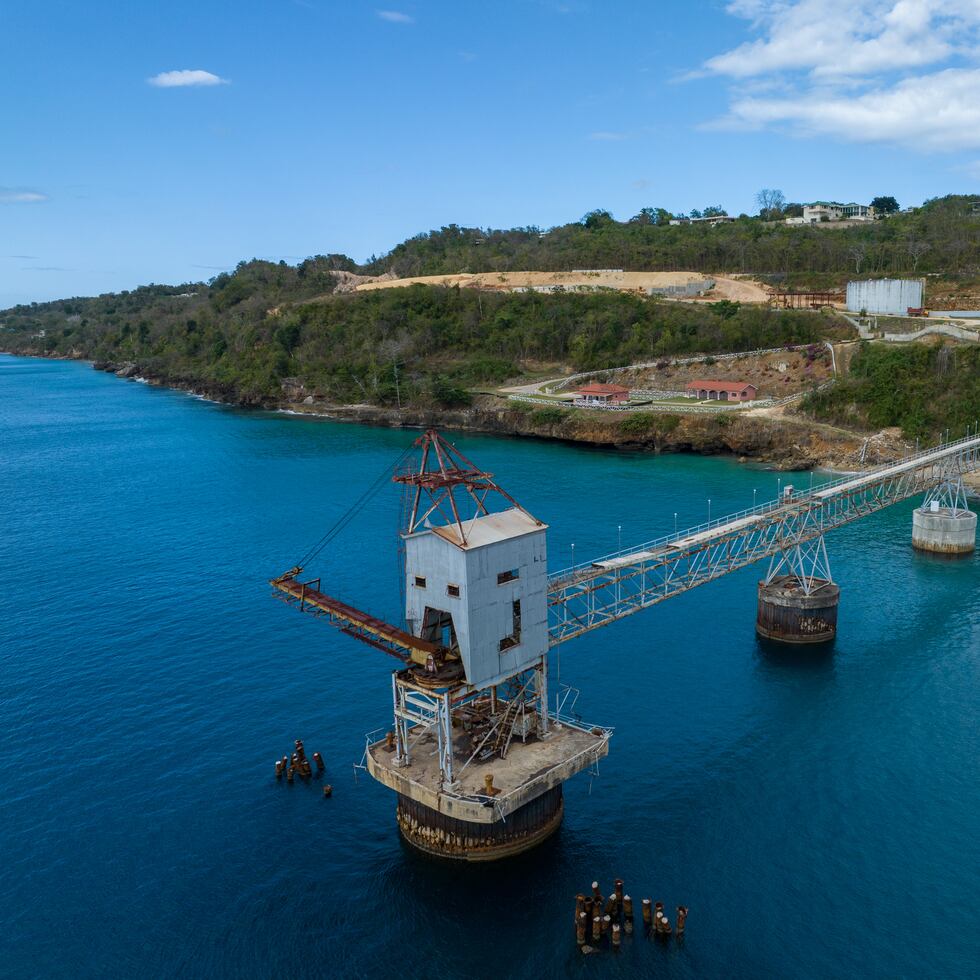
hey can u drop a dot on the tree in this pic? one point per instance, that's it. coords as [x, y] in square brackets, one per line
[916, 250]
[793, 210]
[771, 203]
[598, 219]
[884, 205]
[713, 211]
[858, 252]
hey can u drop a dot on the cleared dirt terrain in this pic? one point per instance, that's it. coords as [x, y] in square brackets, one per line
[740, 290]
[775, 375]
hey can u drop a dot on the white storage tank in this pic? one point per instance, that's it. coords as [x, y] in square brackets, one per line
[894, 296]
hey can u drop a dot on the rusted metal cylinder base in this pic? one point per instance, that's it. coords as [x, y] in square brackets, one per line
[943, 531]
[788, 615]
[462, 840]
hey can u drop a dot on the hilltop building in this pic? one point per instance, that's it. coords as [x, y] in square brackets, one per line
[713, 219]
[820, 211]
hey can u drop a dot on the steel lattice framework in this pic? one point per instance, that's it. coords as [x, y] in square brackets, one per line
[587, 596]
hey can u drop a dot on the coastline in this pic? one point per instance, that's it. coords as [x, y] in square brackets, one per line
[776, 442]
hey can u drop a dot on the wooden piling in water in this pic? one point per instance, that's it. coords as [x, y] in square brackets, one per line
[681, 919]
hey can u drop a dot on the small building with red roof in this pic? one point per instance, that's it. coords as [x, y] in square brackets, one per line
[602, 396]
[722, 391]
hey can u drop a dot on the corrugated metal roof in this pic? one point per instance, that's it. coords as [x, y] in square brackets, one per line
[491, 528]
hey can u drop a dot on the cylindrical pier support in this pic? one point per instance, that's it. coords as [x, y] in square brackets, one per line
[944, 531]
[788, 613]
[444, 836]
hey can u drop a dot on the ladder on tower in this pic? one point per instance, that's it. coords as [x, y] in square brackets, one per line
[505, 730]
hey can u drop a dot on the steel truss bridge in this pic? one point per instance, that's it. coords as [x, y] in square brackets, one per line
[789, 531]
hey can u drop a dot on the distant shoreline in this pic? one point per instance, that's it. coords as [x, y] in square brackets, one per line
[778, 443]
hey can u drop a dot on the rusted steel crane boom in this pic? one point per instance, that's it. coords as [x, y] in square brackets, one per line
[308, 598]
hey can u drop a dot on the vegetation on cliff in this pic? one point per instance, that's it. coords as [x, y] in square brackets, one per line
[246, 332]
[943, 236]
[923, 389]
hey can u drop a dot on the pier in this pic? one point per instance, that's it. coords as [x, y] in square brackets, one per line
[475, 755]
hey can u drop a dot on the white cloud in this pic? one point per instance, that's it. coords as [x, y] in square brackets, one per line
[835, 38]
[856, 70]
[939, 111]
[20, 195]
[395, 17]
[186, 78]
[607, 136]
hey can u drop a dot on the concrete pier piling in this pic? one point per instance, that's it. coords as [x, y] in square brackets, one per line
[596, 928]
[790, 613]
[448, 836]
[318, 759]
[618, 889]
[616, 935]
[580, 924]
[647, 912]
[944, 530]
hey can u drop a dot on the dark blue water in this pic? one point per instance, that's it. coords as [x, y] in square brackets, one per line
[819, 814]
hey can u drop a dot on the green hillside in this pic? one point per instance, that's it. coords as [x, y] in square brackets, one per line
[249, 330]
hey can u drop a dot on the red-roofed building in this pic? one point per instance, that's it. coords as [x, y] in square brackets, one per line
[722, 391]
[602, 396]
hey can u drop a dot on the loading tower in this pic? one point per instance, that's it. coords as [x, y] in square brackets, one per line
[476, 757]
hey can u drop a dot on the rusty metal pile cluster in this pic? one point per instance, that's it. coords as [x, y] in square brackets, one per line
[297, 764]
[603, 921]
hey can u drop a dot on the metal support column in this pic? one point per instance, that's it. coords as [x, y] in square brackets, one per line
[807, 562]
[541, 685]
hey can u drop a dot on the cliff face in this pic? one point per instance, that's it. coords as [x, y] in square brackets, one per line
[783, 443]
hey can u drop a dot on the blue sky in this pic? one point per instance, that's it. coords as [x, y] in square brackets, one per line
[163, 142]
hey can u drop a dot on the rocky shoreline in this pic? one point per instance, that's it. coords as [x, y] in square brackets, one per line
[783, 443]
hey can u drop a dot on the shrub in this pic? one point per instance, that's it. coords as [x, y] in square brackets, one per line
[551, 415]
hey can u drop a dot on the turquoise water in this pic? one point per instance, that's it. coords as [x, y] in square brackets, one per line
[819, 814]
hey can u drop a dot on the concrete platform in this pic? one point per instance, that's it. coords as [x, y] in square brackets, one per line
[530, 769]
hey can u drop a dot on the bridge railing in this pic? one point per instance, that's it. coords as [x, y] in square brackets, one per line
[944, 450]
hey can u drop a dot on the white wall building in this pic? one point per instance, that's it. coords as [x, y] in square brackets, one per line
[820, 211]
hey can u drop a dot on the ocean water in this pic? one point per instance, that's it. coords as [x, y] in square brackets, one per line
[818, 813]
